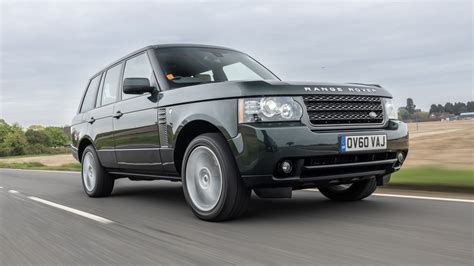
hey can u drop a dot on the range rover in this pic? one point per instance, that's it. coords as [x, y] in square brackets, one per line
[221, 123]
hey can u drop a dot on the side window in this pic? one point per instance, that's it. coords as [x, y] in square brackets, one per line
[111, 84]
[138, 67]
[91, 93]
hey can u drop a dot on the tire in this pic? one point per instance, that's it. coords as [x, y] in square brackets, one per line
[356, 191]
[95, 180]
[210, 196]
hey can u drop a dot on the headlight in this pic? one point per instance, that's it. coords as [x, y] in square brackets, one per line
[390, 109]
[267, 109]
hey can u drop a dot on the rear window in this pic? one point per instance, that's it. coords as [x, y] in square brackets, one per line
[91, 94]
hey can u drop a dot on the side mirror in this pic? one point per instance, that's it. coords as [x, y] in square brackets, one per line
[137, 86]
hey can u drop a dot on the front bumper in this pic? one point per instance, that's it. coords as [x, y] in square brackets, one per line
[260, 148]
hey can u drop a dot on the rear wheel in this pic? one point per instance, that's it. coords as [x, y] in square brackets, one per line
[95, 180]
[211, 181]
[350, 192]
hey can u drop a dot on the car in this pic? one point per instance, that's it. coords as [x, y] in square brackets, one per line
[223, 125]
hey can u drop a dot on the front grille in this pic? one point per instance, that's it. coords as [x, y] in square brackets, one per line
[343, 109]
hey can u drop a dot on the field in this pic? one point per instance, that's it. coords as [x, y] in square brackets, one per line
[440, 157]
[47, 160]
[442, 144]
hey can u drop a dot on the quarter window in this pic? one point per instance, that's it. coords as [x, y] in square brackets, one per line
[138, 67]
[111, 84]
[91, 93]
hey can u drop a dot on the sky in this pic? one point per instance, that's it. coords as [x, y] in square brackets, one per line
[417, 49]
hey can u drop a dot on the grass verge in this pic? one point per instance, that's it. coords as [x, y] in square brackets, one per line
[432, 176]
[40, 166]
[33, 155]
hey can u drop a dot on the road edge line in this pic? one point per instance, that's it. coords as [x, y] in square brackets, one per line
[422, 197]
[72, 210]
[411, 197]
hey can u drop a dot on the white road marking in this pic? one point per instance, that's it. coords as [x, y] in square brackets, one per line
[411, 197]
[13, 191]
[1, 187]
[422, 197]
[72, 210]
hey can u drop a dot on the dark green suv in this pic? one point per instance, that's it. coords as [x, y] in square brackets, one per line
[222, 124]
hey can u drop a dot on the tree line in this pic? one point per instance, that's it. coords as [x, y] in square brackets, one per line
[450, 108]
[34, 140]
[436, 112]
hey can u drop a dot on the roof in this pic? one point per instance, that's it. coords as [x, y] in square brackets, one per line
[171, 45]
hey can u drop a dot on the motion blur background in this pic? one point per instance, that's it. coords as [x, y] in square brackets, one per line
[420, 50]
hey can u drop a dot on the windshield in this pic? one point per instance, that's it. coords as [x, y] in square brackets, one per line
[185, 66]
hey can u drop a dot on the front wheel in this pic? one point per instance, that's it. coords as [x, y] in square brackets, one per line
[212, 184]
[350, 192]
[95, 180]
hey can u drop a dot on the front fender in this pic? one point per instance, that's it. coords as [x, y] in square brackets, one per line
[221, 114]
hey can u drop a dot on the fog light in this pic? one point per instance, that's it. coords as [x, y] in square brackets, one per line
[286, 167]
[400, 157]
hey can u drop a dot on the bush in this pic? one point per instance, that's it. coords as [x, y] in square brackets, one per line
[422, 116]
[36, 140]
[5, 129]
[37, 137]
[56, 136]
[14, 143]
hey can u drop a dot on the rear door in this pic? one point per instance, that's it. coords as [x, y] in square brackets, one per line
[137, 142]
[81, 125]
[101, 118]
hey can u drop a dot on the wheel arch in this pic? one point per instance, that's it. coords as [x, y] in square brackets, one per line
[187, 133]
[83, 143]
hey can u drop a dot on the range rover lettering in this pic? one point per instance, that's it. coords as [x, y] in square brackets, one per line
[221, 123]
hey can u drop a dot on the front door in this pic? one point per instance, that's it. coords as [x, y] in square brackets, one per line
[137, 142]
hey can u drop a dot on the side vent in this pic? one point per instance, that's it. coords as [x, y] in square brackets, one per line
[162, 127]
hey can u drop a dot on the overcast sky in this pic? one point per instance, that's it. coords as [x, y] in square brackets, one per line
[418, 49]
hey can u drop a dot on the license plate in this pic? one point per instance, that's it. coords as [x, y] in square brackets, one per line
[363, 143]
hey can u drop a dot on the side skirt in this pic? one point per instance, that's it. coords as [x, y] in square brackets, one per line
[138, 176]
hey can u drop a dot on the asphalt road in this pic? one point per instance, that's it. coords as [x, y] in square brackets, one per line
[151, 224]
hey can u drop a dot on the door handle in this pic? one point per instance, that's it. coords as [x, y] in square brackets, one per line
[91, 120]
[118, 114]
